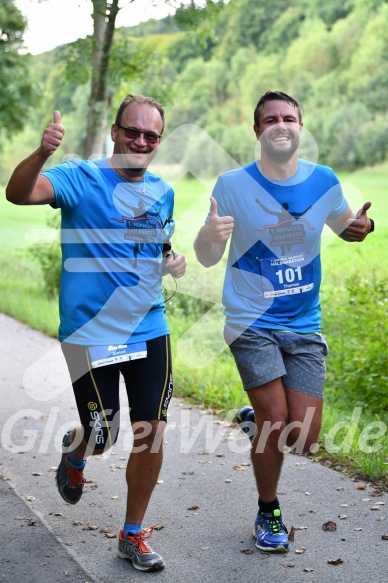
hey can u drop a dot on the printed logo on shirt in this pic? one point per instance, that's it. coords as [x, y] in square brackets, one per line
[142, 225]
[290, 229]
[280, 256]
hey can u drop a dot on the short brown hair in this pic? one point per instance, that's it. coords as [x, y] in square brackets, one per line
[273, 96]
[142, 99]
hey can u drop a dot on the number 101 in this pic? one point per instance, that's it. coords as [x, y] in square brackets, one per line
[289, 274]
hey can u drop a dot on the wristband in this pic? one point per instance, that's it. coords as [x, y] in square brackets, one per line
[372, 226]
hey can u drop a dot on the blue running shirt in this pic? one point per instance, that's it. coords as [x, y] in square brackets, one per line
[112, 238]
[273, 271]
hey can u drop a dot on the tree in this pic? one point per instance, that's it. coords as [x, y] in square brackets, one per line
[104, 19]
[15, 89]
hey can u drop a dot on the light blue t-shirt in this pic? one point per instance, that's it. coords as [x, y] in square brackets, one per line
[112, 237]
[273, 272]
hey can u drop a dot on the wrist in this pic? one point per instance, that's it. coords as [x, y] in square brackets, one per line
[43, 153]
[207, 234]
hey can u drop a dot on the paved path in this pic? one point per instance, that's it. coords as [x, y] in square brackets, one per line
[204, 505]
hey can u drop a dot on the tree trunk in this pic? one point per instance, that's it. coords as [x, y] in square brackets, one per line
[104, 19]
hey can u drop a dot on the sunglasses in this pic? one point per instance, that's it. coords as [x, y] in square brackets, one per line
[133, 134]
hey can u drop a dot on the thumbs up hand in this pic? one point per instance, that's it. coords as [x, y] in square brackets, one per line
[217, 228]
[358, 228]
[52, 135]
[213, 207]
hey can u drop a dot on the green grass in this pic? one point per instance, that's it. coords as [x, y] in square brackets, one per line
[356, 440]
[22, 295]
[203, 373]
[21, 290]
[17, 221]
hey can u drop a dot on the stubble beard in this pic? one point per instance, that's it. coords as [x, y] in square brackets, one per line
[277, 155]
[127, 166]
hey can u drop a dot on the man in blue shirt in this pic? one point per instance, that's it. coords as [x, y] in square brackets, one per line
[116, 225]
[273, 211]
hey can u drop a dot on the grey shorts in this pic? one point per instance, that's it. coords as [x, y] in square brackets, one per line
[263, 355]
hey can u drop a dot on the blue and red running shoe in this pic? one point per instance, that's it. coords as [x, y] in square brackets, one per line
[69, 480]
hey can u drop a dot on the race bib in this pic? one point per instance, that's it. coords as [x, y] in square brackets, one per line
[288, 276]
[115, 353]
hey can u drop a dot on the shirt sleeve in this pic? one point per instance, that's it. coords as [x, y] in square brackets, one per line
[67, 180]
[339, 203]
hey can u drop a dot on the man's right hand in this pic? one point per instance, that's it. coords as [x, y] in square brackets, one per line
[27, 185]
[52, 135]
[217, 229]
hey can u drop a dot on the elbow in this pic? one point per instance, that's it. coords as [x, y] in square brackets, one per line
[207, 263]
[9, 195]
[203, 258]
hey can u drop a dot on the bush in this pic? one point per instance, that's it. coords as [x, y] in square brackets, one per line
[356, 327]
[49, 259]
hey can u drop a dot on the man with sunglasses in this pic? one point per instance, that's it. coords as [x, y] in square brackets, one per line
[273, 210]
[115, 236]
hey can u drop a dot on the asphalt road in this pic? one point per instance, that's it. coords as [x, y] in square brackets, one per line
[204, 505]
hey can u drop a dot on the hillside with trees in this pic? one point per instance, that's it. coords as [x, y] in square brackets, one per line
[332, 56]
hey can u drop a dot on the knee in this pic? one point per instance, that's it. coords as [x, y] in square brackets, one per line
[148, 432]
[303, 439]
[269, 434]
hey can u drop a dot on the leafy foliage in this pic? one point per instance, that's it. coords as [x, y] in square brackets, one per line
[200, 21]
[48, 256]
[356, 326]
[209, 66]
[16, 94]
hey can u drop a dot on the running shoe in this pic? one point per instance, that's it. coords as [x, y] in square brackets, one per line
[69, 480]
[245, 417]
[270, 533]
[135, 548]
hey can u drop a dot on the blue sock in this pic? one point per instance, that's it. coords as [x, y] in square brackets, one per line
[76, 464]
[130, 528]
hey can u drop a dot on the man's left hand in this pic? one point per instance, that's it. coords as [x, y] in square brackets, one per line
[176, 264]
[358, 228]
